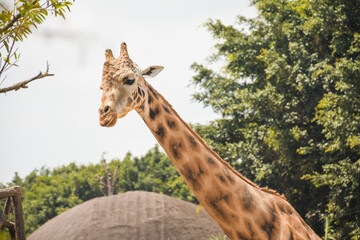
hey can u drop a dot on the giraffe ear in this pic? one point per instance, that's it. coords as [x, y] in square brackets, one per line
[151, 71]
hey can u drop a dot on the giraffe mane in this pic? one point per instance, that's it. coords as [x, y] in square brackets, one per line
[222, 161]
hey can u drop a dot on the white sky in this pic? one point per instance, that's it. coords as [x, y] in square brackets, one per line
[55, 121]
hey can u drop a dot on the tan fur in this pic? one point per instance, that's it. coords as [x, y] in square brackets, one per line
[241, 208]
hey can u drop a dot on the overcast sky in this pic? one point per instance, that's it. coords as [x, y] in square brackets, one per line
[55, 121]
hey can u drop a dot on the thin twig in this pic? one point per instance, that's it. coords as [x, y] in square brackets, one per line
[11, 23]
[109, 185]
[115, 176]
[23, 84]
[7, 61]
[106, 171]
[3, 80]
[101, 180]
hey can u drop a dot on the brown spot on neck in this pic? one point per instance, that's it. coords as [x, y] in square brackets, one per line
[193, 174]
[154, 113]
[218, 210]
[228, 175]
[166, 109]
[153, 91]
[211, 161]
[270, 222]
[161, 133]
[176, 147]
[149, 99]
[291, 236]
[247, 199]
[222, 179]
[141, 92]
[193, 143]
[171, 123]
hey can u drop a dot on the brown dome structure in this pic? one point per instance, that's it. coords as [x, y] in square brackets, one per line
[133, 215]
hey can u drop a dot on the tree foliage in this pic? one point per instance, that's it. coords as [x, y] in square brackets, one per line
[47, 193]
[289, 97]
[16, 23]
[4, 235]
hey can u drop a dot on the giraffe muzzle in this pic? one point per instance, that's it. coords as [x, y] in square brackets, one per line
[107, 116]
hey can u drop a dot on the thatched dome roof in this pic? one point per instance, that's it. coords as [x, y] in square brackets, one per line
[132, 215]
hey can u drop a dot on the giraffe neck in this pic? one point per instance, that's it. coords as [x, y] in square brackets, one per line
[230, 199]
[202, 169]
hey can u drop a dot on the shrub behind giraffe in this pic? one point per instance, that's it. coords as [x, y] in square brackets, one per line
[49, 192]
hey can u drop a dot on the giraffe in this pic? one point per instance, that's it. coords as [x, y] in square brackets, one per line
[242, 209]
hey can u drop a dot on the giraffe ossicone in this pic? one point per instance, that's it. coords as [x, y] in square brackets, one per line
[241, 208]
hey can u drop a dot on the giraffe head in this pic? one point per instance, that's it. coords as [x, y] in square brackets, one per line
[123, 86]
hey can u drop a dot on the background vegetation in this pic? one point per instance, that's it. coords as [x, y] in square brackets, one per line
[47, 193]
[289, 97]
[288, 94]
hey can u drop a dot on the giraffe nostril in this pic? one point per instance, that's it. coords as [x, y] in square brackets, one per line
[104, 110]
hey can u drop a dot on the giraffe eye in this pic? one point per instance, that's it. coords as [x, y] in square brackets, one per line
[128, 81]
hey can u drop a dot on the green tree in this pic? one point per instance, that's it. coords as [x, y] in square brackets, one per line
[156, 173]
[16, 23]
[289, 99]
[47, 193]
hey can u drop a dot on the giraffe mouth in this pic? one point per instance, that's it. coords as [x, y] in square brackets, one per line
[108, 120]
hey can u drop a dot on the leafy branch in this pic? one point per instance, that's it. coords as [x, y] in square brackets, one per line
[17, 23]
